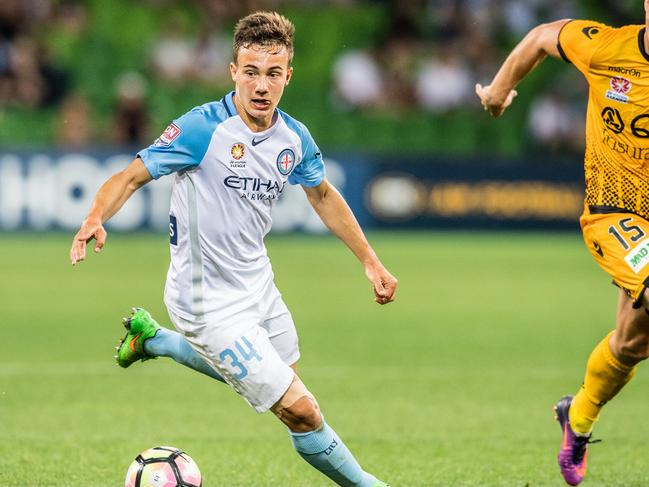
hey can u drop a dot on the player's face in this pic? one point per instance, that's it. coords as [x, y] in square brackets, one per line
[260, 76]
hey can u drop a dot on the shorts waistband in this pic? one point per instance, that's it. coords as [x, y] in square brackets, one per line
[605, 210]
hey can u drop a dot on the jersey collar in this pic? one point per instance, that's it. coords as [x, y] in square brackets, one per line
[228, 102]
[641, 43]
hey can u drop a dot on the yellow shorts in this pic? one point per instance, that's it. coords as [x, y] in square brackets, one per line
[620, 244]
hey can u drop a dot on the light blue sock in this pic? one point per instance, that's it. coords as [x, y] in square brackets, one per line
[324, 450]
[168, 343]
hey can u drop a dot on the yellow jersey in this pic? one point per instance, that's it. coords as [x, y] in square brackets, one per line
[616, 66]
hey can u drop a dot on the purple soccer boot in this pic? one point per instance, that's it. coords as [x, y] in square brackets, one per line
[573, 453]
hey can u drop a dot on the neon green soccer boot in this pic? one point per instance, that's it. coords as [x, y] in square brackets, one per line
[140, 326]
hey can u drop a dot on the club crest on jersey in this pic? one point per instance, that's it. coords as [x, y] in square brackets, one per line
[286, 161]
[620, 87]
[170, 134]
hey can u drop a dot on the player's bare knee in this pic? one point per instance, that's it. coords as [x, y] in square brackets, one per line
[635, 350]
[631, 349]
[298, 409]
[645, 301]
[304, 415]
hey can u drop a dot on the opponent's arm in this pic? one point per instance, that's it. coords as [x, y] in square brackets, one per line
[338, 217]
[540, 42]
[109, 199]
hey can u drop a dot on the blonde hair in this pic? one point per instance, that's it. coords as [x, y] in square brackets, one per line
[266, 29]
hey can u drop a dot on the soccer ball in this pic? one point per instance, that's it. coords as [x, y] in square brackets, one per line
[163, 466]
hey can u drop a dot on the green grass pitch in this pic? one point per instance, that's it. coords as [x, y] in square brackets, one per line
[452, 385]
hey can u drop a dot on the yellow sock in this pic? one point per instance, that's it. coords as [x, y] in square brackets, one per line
[605, 377]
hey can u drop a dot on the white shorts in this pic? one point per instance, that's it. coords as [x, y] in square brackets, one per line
[252, 351]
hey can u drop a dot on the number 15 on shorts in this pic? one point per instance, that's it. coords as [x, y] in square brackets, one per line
[234, 360]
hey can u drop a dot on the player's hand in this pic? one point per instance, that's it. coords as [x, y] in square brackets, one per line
[384, 283]
[493, 103]
[90, 229]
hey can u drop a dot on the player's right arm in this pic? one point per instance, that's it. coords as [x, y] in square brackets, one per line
[109, 199]
[180, 147]
[540, 42]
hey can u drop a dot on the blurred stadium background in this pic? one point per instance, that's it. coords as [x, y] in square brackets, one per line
[485, 315]
[386, 88]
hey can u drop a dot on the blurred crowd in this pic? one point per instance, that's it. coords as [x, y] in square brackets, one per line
[28, 77]
[435, 51]
[31, 79]
[428, 57]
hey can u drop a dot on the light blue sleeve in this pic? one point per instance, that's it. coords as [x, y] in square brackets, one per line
[183, 144]
[310, 171]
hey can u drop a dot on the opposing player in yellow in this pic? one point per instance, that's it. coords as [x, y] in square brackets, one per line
[615, 62]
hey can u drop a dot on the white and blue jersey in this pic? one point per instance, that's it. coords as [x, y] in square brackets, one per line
[227, 178]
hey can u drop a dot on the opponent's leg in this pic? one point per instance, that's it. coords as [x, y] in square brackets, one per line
[316, 442]
[610, 366]
[146, 339]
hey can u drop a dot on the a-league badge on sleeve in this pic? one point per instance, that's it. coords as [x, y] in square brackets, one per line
[170, 134]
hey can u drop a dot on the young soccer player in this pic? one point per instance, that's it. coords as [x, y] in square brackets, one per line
[615, 222]
[232, 159]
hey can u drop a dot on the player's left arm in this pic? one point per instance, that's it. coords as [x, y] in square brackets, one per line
[335, 213]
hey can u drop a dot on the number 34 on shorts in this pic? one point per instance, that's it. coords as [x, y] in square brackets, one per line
[236, 359]
[620, 244]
